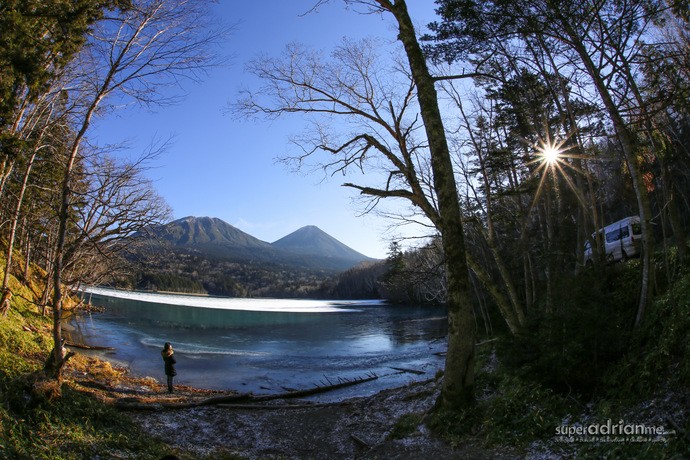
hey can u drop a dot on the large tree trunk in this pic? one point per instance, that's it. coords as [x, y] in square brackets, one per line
[458, 382]
[57, 358]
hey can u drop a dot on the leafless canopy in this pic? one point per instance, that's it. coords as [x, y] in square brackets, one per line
[361, 113]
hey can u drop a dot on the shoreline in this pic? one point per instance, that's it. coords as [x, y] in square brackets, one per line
[266, 352]
[254, 429]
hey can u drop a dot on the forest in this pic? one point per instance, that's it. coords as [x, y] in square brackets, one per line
[512, 131]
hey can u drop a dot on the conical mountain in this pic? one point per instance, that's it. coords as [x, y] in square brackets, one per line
[312, 241]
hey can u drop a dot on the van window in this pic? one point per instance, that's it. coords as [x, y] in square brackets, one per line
[612, 236]
[617, 234]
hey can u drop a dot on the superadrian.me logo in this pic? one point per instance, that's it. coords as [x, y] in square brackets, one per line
[612, 432]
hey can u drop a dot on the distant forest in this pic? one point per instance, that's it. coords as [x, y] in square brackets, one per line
[191, 272]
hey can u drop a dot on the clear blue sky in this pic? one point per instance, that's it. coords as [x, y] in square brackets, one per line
[222, 167]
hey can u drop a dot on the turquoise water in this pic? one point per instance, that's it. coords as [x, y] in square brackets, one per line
[265, 345]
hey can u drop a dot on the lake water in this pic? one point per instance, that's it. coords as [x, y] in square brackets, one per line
[265, 345]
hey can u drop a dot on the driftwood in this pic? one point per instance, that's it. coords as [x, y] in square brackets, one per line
[359, 441]
[411, 371]
[342, 383]
[86, 347]
[133, 404]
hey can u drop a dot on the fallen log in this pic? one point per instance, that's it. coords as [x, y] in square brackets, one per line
[129, 404]
[136, 404]
[279, 406]
[411, 371]
[223, 400]
[318, 389]
[86, 347]
[359, 441]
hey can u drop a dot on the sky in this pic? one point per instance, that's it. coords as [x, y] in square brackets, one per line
[218, 165]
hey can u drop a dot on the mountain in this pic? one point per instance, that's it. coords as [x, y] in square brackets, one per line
[313, 241]
[209, 256]
[193, 231]
[308, 247]
[212, 236]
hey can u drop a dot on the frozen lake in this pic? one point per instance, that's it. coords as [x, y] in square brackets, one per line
[265, 345]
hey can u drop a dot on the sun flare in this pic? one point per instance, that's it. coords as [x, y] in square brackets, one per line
[550, 154]
[553, 163]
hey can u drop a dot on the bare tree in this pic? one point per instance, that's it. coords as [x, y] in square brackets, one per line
[117, 201]
[481, 213]
[130, 56]
[385, 130]
[40, 122]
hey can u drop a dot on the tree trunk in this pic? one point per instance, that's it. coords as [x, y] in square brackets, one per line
[670, 201]
[27, 251]
[14, 223]
[58, 357]
[628, 145]
[504, 306]
[458, 381]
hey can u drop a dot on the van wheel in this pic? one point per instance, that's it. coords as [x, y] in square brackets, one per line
[610, 259]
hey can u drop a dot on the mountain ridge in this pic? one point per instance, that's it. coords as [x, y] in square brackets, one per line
[308, 246]
[209, 256]
[203, 230]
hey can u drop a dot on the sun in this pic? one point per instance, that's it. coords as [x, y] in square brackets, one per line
[550, 154]
[551, 165]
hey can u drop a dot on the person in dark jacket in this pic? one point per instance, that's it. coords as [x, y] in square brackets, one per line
[169, 360]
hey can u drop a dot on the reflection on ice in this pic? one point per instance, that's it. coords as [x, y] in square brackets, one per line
[263, 345]
[197, 349]
[228, 303]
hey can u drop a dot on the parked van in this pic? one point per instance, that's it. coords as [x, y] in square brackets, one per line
[622, 240]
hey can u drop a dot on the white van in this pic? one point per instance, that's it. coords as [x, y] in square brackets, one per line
[622, 239]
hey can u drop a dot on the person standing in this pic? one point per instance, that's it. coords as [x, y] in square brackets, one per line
[169, 360]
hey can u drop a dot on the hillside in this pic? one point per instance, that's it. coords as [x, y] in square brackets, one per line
[308, 247]
[208, 255]
[209, 236]
[191, 231]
